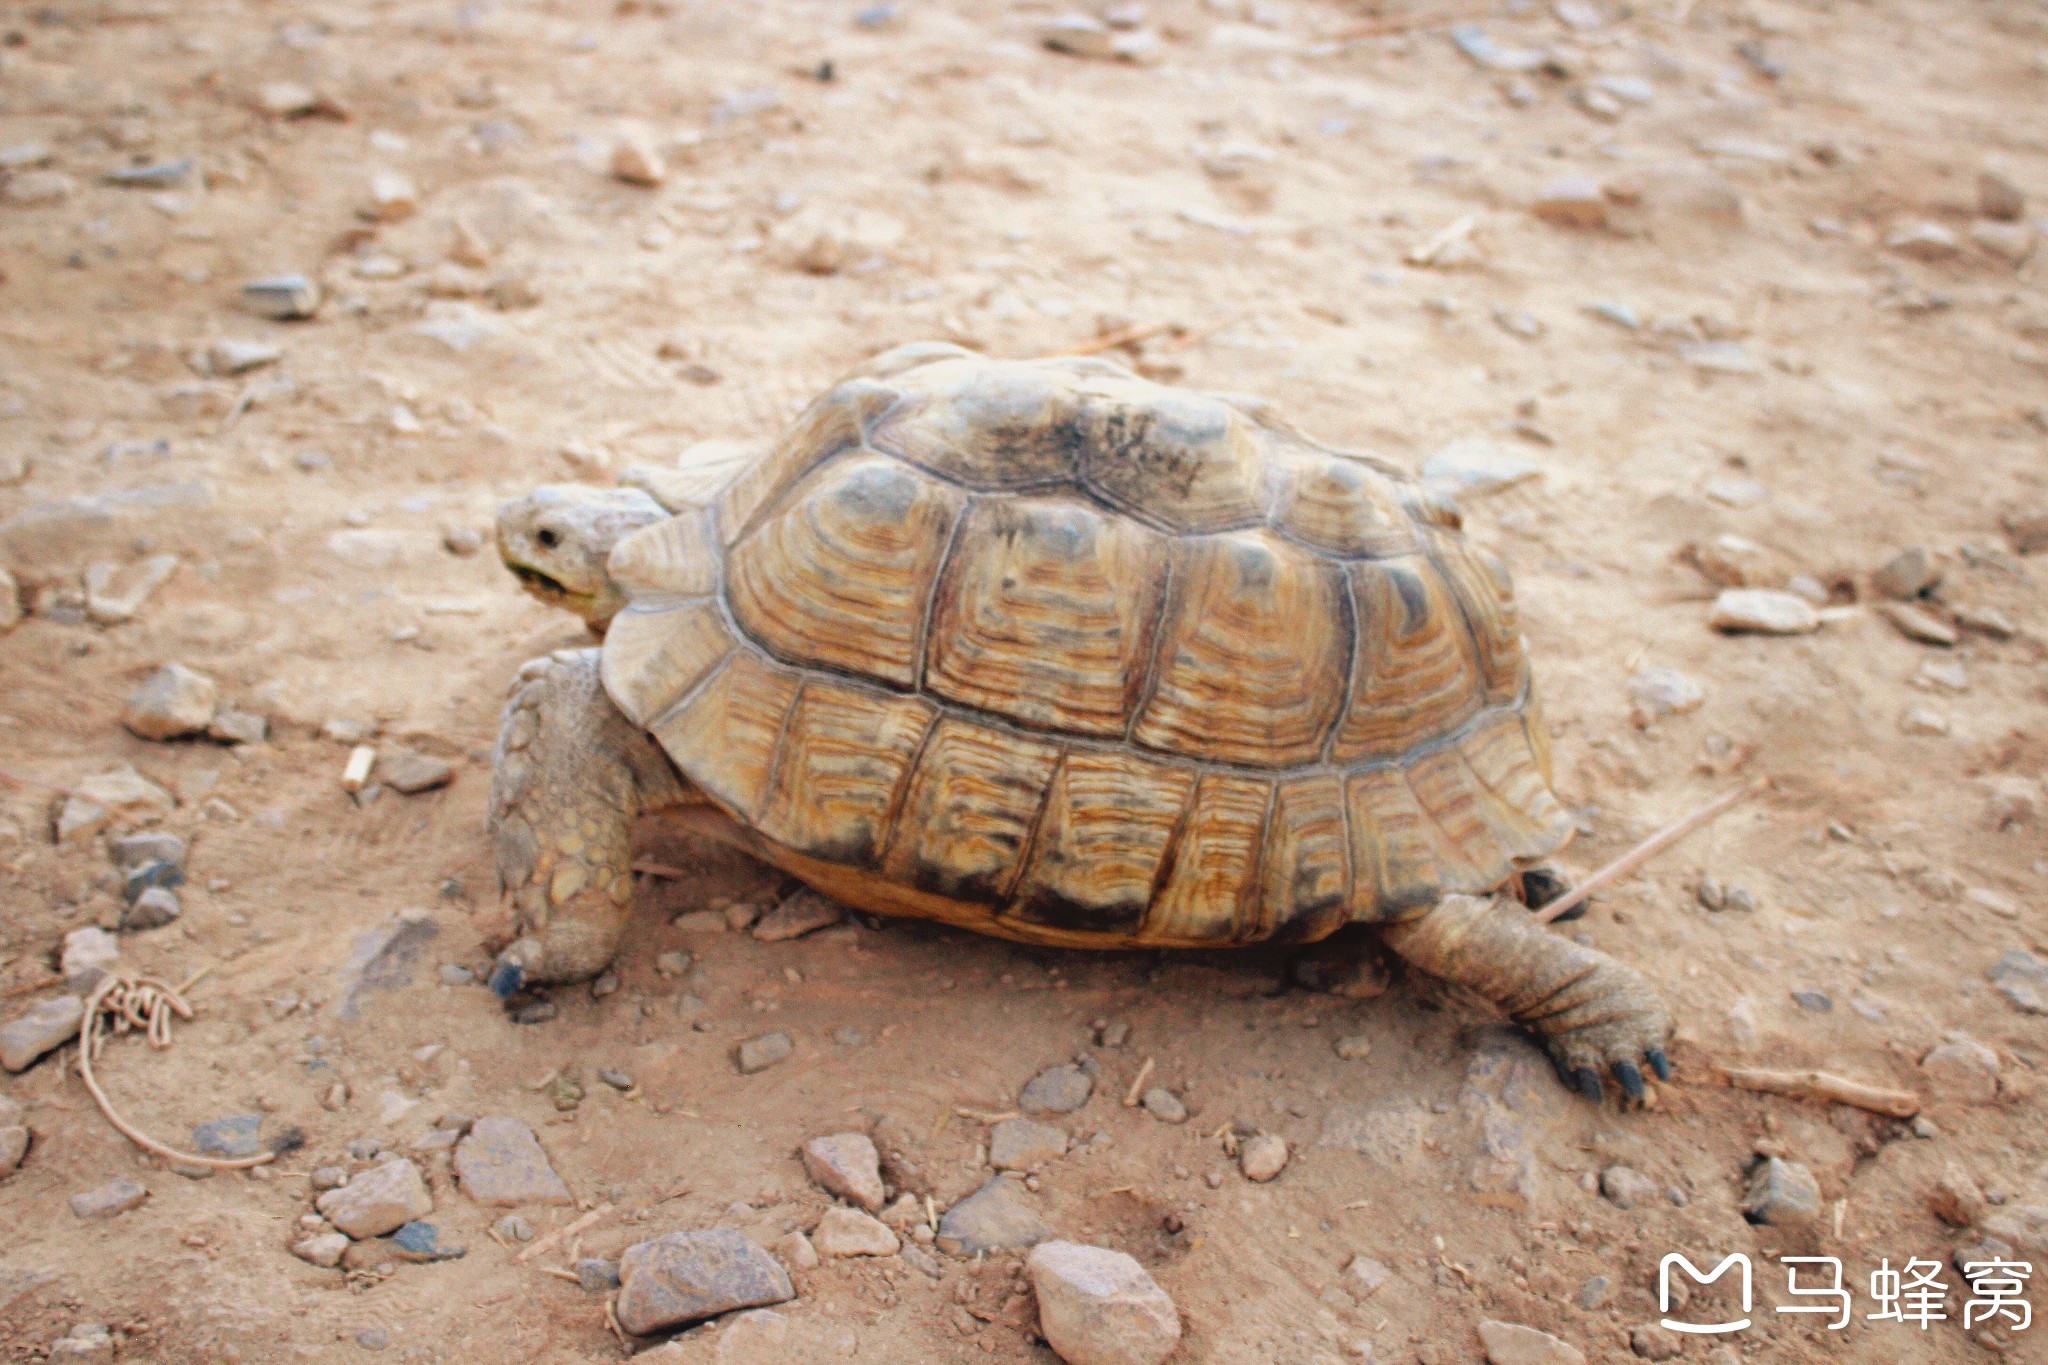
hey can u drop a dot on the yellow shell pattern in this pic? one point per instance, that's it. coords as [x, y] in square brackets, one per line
[1049, 651]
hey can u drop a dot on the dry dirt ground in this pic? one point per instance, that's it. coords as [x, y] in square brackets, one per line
[1261, 184]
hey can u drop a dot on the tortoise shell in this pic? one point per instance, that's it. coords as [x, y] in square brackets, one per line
[1056, 653]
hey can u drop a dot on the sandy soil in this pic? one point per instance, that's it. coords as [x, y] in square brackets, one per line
[1261, 187]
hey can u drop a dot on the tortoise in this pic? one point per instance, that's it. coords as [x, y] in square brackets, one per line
[1049, 651]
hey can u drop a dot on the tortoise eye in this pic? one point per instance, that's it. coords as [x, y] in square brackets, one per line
[548, 538]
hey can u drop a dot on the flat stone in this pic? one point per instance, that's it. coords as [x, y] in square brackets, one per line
[597, 1274]
[2023, 979]
[1100, 1307]
[156, 175]
[117, 593]
[847, 1165]
[1918, 623]
[1627, 1188]
[1473, 468]
[1164, 1105]
[48, 1024]
[10, 601]
[324, 1250]
[234, 1136]
[110, 1200]
[1781, 1194]
[759, 1053]
[408, 771]
[384, 959]
[1763, 611]
[152, 876]
[379, 1200]
[1957, 1199]
[171, 703]
[420, 1243]
[1655, 693]
[1056, 1090]
[1481, 50]
[1596, 1292]
[1025, 1145]
[800, 914]
[238, 727]
[1365, 1276]
[1923, 720]
[1909, 573]
[1986, 620]
[1922, 241]
[89, 954]
[1263, 1157]
[153, 909]
[500, 1162]
[1574, 202]
[1998, 198]
[1510, 1343]
[1652, 1342]
[86, 1344]
[130, 851]
[1722, 357]
[29, 188]
[794, 1250]
[1962, 1070]
[282, 297]
[2012, 242]
[849, 1232]
[687, 1276]
[995, 1217]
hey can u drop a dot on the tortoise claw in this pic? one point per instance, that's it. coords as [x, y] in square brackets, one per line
[1631, 1080]
[1659, 1063]
[1588, 1081]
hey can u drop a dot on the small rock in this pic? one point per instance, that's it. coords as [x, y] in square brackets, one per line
[1025, 1145]
[324, 1250]
[89, 954]
[1998, 198]
[363, 1148]
[116, 593]
[110, 1200]
[1355, 1047]
[596, 1274]
[1909, 573]
[238, 727]
[847, 1165]
[1813, 1002]
[151, 876]
[86, 1342]
[673, 963]
[282, 297]
[1764, 612]
[800, 914]
[1164, 1105]
[1364, 1276]
[1472, 40]
[285, 99]
[373, 1338]
[1725, 357]
[232, 356]
[1781, 1194]
[759, 1053]
[172, 702]
[795, 1251]
[30, 188]
[513, 1228]
[1263, 1157]
[1923, 241]
[1510, 1343]
[462, 541]
[1962, 1070]
[1956, 1198]
[1627, 1188]
[420, 1243]
[379, 1200]
[1574, 202]
[1596, 1292]
[1100, 1307]
[1112, 1032]
[1056, 1090]
[1923, 720]
[153, 909]
[233, 1136]
[1658, 692]
[1652, 1342]
[14, 1135]
[2022, 978]
[995, 1217]
[1918, 623]
[384, 959]
[1081, 35]
[1476, 467]
[849, 1232]
[1985, 620]
[501, 1162]
[2013, 242]
[131, 851]
[156, 175]
[637, 161]
[410, 772]
[687, 1276]
[2027, 530]
[393, 198]
[329, 1177]
[759, 1336]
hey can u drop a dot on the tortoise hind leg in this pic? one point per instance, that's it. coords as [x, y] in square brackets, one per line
[1596, 1014]
[571, 776]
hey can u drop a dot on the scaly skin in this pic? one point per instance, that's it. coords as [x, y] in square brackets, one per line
[1595, 1014]
[571, 776]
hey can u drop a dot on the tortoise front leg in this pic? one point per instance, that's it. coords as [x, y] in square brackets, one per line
[1595, 1014]
[572, 774]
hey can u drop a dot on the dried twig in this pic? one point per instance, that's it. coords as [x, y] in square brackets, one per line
[559, 1273]
[1824, 1086]
[1138, 1085]
[661, 870]
[1387, 28]
[1184, 339]
[1122, 336]
[1649, 848]
[979, 1116]
[568, 1230]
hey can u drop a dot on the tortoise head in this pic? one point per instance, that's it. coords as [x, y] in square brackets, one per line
[557, 539]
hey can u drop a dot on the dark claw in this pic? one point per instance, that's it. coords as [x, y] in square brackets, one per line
[1589, 1084]
[1630, 1078]
[506, 979]
[1659, 1063]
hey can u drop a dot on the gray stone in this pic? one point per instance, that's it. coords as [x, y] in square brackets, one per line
[167, 876]
[1627, 1188]
[1962, 1070]
[1263, 1157]
[1510, 1343]
[238, 727]
[110, 1200]
[329, 1177]
[1164, 1105]
[1725, 357]
[849, 1232]
[324, 1249]
[153, 909]
[234, 1136]
[1475, 467]
[1919, 624]
[1025, 1145]
[2023, 979]
[384, 959]
[282, 297]
[156, 175]
[500, 1162]
[759, 1053]
[1365, 1276]
[1762, 611]
[513, 1228]
[1100, 1307]
[172, 702]
[1781, 1194]
[1472, 40]
[1655, 693]
[48, 1024]
[116, 593]
[379, 1200]
[1909, 573]
[687, 1276]
[234, 355]
[420, 1243]
[800, 914]
[89, 954]
[847, 1165]
[597, 1274]
[410, 772]
[1813, 1002]
[1923, 241]
[1596, 1292]
[1056, 1090]
[995, 1217]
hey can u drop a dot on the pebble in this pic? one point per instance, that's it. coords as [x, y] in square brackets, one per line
[97, 799]
[1658, 692]
[1574, 202]
[687, 1276]
[1725, 357]
[384, 958]
[637, 161]
[1918, 623]
[238, 727]
[1164, 1105]
[393, 198]
[86, 1341]
[1100, 1307]
[513, 1228]
[1909, 573]
[153, 909]
[2022, 978]
[234, 355]
[847, 1165]
[88, 955]
[363, 1148]
[1922, 241]
[499, 1161]
[1475, 467]
[1112, 1032]
[14, 1135]
[849, 1232]
[1056, 1090]
[1814, 1002]
[759, 1053]
[324, 1250]
[411, 772]
[597, 1274]
[1962, 1070]
[1081, 35]
[462, 541]
[173, 702]
[1781, 1194]
[1596, 1292]
[1763, 611]
[1353, 1048]
[1986, 620]
[157, 175]
[995, 1217]
[2027, 530]
[1025, 1145]
[373, 1338]
[1472, 40]
[673, 963]
[110, 1200]
[2012, 242]
[1998, 198]
[117, 593]
[10, 602]
[379, 1200]
[1956, 1198]
[759, 1336]
[616, 1079]
[329, 1177]
[1947, 675]
[1627, 1188]
[1510, 1343]
[233, 1136]
[29, 188]
[1263, 1157]
[1652, 1342]
[1923, 720]
[283, 298]
[800, 914]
